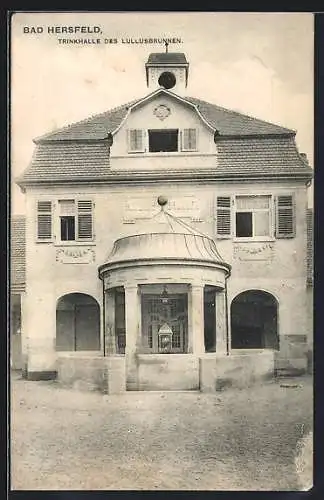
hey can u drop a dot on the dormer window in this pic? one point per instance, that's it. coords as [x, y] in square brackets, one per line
[163, 140]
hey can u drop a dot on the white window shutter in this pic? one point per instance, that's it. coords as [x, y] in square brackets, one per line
[136, 140]
[285, 216]
[224, 216]
[85, 220]
[44, 220]
[189, 139]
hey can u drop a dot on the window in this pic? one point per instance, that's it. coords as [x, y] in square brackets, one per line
[252, 218]
[67, 228]
[44, 220]
[244, 225]
[67, 220]
[189, 139]
[75, 220]
[163, 140]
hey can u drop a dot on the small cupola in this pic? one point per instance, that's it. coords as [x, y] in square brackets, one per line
[168, 70]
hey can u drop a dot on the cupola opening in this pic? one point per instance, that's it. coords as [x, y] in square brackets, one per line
[167, 80]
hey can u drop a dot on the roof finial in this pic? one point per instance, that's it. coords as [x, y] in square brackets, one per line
[162, 201]
[166, 46]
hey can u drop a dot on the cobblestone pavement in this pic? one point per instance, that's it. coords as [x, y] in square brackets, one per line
[63, 439]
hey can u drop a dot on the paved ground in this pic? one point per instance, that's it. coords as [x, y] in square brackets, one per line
[233, 440]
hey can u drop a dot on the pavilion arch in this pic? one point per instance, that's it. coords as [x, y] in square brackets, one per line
[77, 323]
[254, 320]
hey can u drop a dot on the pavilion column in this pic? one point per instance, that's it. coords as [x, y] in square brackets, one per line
[196, 340]
[221, 323]
[132, 316]
[110, 334]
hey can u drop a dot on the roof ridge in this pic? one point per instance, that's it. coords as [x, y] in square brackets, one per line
[239, 113]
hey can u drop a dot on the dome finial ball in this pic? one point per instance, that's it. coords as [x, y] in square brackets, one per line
[162, 200]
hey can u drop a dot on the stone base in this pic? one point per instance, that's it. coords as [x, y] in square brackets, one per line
[92, 373]
[167, 372]
[162, 372]
[241, 370]
[293, 357]
[115, 374]
[38, 361]
[290, 367]
[41, 375]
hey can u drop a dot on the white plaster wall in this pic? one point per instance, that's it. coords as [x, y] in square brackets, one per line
[284, 275]
[182, 116]
[179, 73]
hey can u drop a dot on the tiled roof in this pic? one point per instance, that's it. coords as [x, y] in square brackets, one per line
[255, 155]
[245, 147]
[225, 121]
[236, 158]
[96, 127]
[68, 160]
[167, 58]
[229, 122]
[17, 253]
[310, 270]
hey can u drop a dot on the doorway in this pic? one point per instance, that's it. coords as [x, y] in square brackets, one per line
[77, 323]
[254, 321]
[171, 311]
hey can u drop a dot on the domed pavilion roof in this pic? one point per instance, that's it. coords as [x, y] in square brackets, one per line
[167, 239]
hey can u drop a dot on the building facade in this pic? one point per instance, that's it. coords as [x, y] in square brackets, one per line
[166, 243]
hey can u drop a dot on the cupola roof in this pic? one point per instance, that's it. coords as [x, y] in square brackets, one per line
[168, 239]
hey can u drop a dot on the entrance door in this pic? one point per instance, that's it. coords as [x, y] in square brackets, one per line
[87, 328]
[155, 313]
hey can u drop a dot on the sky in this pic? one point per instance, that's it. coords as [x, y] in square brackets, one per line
[260, 64]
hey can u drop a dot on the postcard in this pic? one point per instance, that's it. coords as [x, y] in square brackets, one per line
[161, 290]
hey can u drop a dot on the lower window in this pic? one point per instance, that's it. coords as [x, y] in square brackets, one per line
[252, 218]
